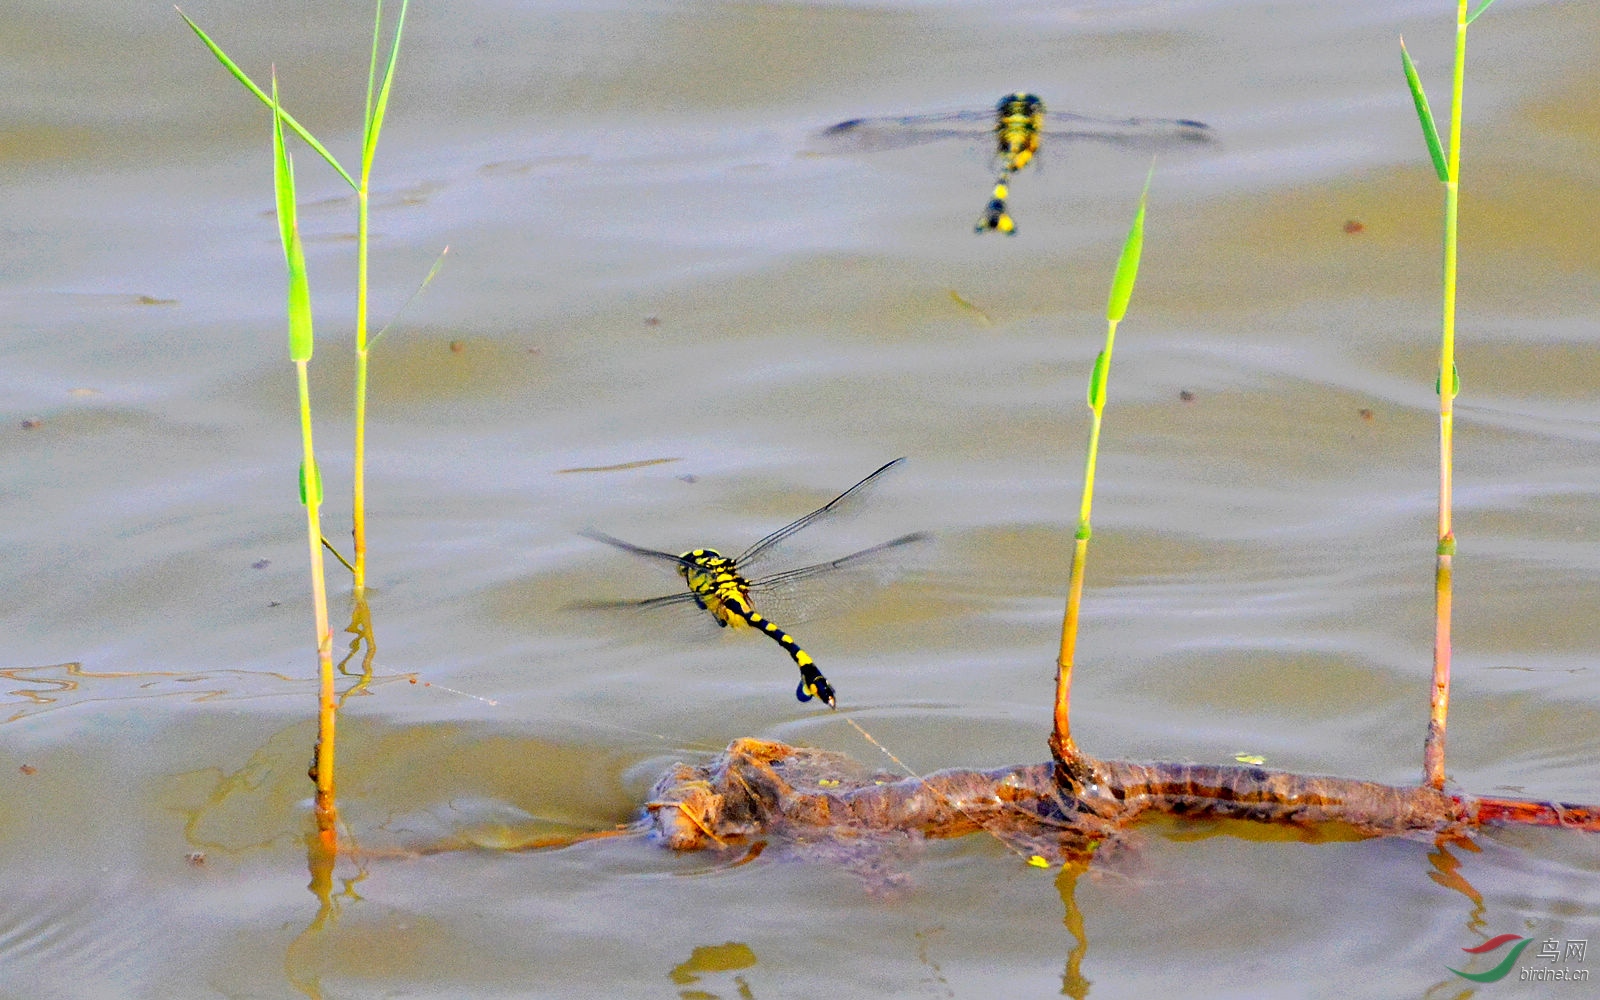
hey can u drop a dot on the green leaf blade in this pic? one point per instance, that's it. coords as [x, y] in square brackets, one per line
[1430, 131]
[1128, 263]
[1483, 7]
[250, 85]
[378, 108]
[299, 307]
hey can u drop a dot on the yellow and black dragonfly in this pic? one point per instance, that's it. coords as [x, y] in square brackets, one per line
[723, 587]
[1017, 125]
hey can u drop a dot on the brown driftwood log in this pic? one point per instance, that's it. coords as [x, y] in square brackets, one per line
[757, 790]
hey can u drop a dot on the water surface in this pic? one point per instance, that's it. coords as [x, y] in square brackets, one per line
[651, 259]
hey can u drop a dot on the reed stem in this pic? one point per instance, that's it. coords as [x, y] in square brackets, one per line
[1062, 747]
[1447, 166]
[326, 809]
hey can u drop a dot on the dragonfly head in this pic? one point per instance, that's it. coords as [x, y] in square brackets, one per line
[702, 566]
[1019, 104]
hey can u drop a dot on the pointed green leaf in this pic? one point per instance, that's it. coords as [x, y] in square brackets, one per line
[1430, 131]
[1128, 263]
[380, 107]
[432, 272]
[372, 67]
[282, 175]
[1480, 10]
[250, 85]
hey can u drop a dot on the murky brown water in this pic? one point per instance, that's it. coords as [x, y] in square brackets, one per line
[651, 259]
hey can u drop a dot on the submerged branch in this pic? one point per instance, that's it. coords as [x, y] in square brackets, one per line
[756, 790]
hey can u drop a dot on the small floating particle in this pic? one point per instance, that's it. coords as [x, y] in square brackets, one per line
[196, 859]
[151, 300]
[261, 564]
[652, 321]
[32, 423]
[1186, 395]
[83, 390]
[28, 769]
[456, 347]
[1364, 413]
[1354, 226]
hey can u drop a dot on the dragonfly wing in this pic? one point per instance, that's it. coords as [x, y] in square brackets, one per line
[1145, 132]
[798, 595]
[637, 550]
[856, 559]
[666, 600]
[752, 556]
[871, 135]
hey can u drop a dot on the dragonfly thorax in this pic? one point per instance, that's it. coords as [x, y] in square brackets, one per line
[1019, 118]
[717, 585]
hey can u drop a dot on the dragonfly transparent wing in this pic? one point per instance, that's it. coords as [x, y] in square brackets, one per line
[872, 135]
[637, 550]
[753, 557]
[1144, 132]
[682, 597]
[665, 600]
[799, 595]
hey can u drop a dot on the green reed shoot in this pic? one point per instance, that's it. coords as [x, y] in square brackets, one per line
[377, 104]
[301, 341]
[1447, 166]
[1061, 745]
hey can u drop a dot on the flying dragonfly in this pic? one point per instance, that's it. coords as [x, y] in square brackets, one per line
[722, 586]
[1017, 125]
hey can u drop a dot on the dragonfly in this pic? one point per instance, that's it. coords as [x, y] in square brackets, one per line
[722, 586]
[1017, 125]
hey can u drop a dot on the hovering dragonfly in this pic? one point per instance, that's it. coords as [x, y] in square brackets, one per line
[1017, 123]
[721, 586]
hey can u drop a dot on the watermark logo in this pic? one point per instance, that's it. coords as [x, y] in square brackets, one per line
[1550, 952]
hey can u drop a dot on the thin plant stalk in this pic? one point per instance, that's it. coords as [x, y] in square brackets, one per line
[1447, 166]
[1062, 748]
[301, 342]
[377, 103]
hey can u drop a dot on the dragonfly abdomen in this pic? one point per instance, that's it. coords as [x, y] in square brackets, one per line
[720, 589]
[996, 215]
[812, 683]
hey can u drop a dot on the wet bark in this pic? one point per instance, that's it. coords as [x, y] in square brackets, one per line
[1063, 811]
